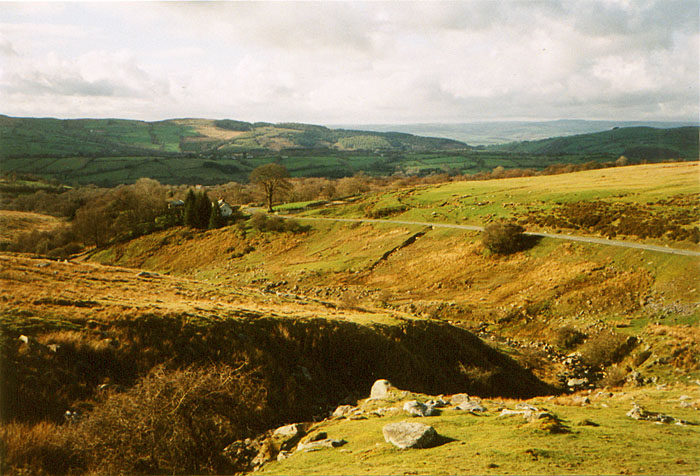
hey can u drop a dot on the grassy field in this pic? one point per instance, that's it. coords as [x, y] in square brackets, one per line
[593, 438]
[661, 190]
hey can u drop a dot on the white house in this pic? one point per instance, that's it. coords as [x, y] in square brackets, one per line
[226, 209]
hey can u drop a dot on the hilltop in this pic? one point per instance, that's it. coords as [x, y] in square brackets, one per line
[34, 137]
[110, 152]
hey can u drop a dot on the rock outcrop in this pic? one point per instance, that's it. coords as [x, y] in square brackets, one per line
[406, 434]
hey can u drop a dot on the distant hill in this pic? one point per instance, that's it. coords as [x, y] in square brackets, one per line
[34, 137]
[503, 132]
[109, 152]
[633, 142]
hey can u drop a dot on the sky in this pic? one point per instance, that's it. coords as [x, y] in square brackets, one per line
[352, 62]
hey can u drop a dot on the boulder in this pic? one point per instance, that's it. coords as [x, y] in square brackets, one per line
[380, 389]
[417, 408]
[288, 431]
[409, 435]
[471, 406]
[343, 410]
[320, 444]
[459, 398]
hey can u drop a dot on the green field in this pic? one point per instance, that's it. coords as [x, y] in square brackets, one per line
[88, 151]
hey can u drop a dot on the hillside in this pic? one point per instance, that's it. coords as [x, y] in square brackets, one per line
[633, 142]
[109, 152]
[182, 351]
[505, 132]
[33, 137]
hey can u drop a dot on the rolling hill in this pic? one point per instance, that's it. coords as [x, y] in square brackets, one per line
[633, 142]
[33, 137]
[110, 152]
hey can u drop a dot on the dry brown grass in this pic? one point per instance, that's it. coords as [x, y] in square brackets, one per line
[37, 449]
[12, 223]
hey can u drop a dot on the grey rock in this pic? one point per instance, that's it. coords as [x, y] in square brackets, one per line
[577, 382]
[283, 455]
[343, 410]
[417, 408]
[471, 406]
[320, 444]
[459, 398]
[380, 389]
[288, 431]
[405, 435]
[639, 413]
[506, 412]
[525, 406]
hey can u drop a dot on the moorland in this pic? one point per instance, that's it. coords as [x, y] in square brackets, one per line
[137, 340]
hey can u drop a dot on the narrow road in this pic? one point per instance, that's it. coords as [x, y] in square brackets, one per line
[558, 236]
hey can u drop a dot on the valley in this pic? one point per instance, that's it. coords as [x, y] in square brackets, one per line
[207, 341]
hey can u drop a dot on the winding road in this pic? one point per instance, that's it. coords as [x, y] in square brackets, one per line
[558, 236]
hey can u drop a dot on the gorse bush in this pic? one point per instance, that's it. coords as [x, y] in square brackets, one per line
[504, 238]
[606, 349]
[173, 422]
[263, 222]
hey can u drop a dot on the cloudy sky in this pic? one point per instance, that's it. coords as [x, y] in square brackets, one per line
[352, 62]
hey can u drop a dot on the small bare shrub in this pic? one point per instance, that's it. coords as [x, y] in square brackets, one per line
[174, 422]
[605, 349]
[568, 337]
[614, 377]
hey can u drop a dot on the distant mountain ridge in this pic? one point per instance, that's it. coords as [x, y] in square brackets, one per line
[110, 152]
[502, 132]
[47, 137]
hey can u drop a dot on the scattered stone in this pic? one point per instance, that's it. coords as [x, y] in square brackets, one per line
[639, 413]
[417, 408]
[318, 436]
[288, 431]
[343, 410]
[145, 274]
[577, 382]
[405, 435]
[459, 398]
[471, 406]
[24, 339]
[525, 406]
[380, 389]
[283, 455]
[42, 265]
[437, 403]
[320, 444]
[581, 399]
[634, 378]
[506, 412]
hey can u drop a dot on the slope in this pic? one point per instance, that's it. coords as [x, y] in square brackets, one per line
[632, 142]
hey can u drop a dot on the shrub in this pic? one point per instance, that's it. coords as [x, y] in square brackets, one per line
[568, 337]
[605, 349]
[173, 422]
[263, 222]
[504, 238]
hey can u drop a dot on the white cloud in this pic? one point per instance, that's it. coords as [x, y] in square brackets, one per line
[355, 61]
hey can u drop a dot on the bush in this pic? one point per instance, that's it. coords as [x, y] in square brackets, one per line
[504, 238]
[606, 349]
[173, 422]
[568, 337]
[263, 222]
